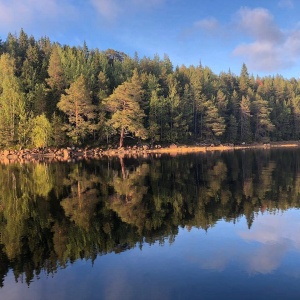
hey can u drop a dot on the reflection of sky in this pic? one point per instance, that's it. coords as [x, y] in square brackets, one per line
[269, 243]
[277, 237]
[227, 262]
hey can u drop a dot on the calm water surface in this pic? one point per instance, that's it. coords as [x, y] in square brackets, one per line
[213, 226]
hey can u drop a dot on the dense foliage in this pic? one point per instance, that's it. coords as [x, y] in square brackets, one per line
[93, 97]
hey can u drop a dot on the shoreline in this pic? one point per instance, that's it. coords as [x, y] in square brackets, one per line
[76, 154]
[187, 149]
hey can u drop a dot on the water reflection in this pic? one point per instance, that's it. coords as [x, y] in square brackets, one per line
[53, 215]
[276, 237]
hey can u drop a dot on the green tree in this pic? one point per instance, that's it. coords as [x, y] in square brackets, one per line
[232, 132]
[56, 80]
[59, 137]
[199, 98]
[214, 124]
[11, 101]
[244, 80]
[79, 110]
[261, 115]
[245, 125]
[154, 127]
[176, 124]
[296, 116]
[41, 131]
[127, 116]
[25, 129]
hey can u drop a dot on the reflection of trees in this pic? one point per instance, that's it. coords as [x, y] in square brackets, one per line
[80, 205]
[130, 189]
[24, 218]
[52, 215]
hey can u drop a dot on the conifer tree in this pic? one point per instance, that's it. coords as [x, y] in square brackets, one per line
[245, 126]
[214, 123]
[261, 115]
[154, 118]
[244, 80]
[232, 131]
[79, 110]
[56, 80]
[127, 115]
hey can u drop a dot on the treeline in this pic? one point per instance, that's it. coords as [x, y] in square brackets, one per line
[55, 95]
[52, 215]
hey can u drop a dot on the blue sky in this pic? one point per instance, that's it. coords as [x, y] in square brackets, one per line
[264, 34]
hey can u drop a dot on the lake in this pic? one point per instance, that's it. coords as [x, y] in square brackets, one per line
[215, 225]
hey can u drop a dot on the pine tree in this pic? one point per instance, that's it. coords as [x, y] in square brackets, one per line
[261, 115]
[244, 80]
[245, 126]
[214, 123]
[199, 99]
[56, 80]
[81, 113]
[154, 127]
[232, 131]
[59, 137]
[296, 117]
[127, 115]
[176, 127]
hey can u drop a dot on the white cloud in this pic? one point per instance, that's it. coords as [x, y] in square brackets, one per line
[272, 48]
[263, 56]
[259, 24]
[15, 14]
[261, 43]
[292, 43]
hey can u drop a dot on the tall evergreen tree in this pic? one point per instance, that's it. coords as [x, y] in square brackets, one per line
[261, 115]
[56, 80]
[245, 115]
[126, 113]
[214, 122]
[79, 110]
[244, 80]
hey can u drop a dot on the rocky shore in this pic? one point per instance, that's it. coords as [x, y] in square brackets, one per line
[70, 154]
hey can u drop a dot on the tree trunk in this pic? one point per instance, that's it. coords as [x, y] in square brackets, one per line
[76, 121]
[122, 137]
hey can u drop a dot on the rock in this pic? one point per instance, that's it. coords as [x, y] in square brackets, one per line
[66, 154]
[5, 153]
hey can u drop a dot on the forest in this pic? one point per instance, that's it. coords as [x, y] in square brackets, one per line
[54, 95]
